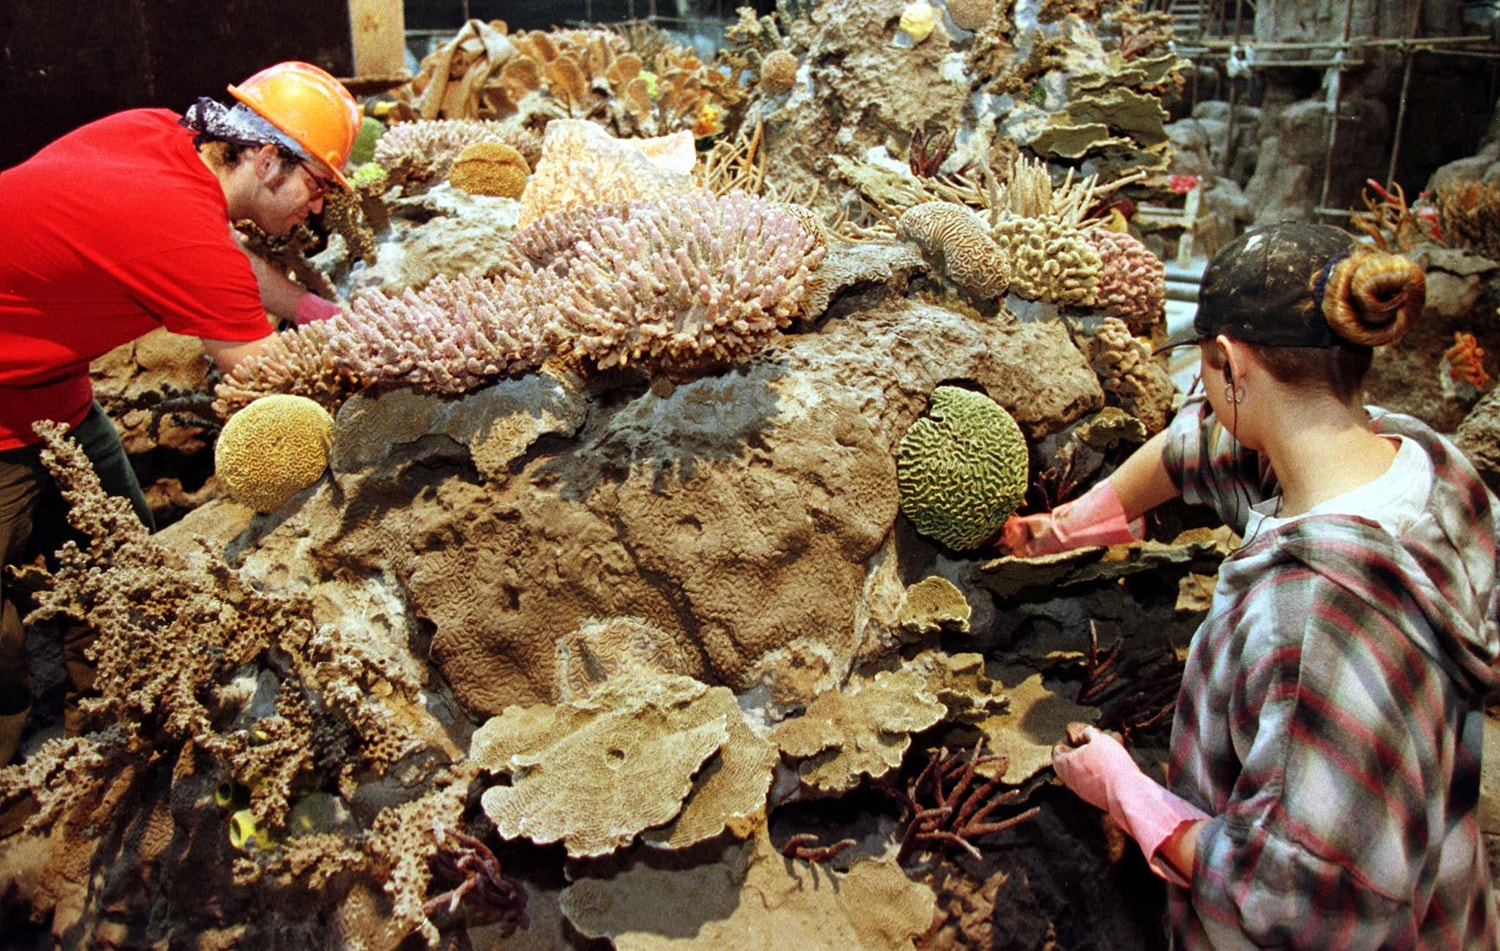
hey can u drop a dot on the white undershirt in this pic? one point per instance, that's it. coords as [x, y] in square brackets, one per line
[1395, 500]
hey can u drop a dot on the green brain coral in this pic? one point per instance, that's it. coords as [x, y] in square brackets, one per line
[961, 469]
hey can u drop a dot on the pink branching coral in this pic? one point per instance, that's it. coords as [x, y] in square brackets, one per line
[294, 361]
[682, 283]
[1133, 281]
[450, 337]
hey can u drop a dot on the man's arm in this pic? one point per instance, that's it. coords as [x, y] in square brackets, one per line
[227, 354]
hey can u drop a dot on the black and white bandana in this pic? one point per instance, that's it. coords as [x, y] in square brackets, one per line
[238, 125]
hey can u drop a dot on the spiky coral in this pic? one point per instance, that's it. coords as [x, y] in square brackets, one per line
[294, 361]
[682, 284]
[1132, 280]
[449, 337]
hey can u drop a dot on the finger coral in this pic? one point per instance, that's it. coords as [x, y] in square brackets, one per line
[683, 283]
[273, 449]
[1127, 372]
[955, 239]
[449, 337]
[293, 361]
[962, 468]
[1049, 261]
[1132, 280]
[490, 168]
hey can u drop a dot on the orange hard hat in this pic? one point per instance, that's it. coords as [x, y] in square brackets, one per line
[310, 106]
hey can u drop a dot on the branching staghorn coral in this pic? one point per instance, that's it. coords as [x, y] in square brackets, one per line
[297, 362]
[450, 337]
[177, 630]
[1132, 282]
[683, 283]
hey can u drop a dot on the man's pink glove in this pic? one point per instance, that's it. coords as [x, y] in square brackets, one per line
[1103, 775]
[1094, 518]
[310, 308]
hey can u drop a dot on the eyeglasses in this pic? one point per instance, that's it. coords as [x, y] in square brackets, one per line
[318, 185]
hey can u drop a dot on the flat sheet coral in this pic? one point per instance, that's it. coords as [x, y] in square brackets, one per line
[750, 900]
[646, 734]
[858, 732]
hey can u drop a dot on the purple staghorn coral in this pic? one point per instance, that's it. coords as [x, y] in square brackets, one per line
[450, 337]
[682, 283]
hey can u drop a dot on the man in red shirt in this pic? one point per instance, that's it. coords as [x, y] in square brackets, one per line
[125, 225]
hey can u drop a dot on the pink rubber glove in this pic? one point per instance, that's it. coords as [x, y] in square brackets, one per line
[1094, 518]
[1102, 774]
[310, 307]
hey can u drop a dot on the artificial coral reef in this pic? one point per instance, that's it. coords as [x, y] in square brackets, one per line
[647, 539]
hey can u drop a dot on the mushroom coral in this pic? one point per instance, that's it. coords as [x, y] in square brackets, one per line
[962, 468]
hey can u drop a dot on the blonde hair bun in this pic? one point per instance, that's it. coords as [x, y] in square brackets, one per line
[1373, 298]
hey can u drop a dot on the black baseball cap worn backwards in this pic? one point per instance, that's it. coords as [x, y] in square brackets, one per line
[1266, 287]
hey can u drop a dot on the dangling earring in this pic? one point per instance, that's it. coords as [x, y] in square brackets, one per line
[1233, 394]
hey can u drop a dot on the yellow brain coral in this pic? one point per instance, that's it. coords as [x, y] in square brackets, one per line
[490, 168]
[962, 469]
[272, 449]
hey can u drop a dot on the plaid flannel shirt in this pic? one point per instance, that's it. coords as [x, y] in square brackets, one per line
[1331, 714]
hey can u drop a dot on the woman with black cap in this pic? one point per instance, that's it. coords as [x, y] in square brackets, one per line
[1324, 771]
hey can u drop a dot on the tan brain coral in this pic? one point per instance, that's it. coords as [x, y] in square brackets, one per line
[970, 14]
[272, 449]
[956, 240]
[490, 168]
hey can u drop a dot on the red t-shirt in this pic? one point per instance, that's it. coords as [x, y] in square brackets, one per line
[111, 231]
